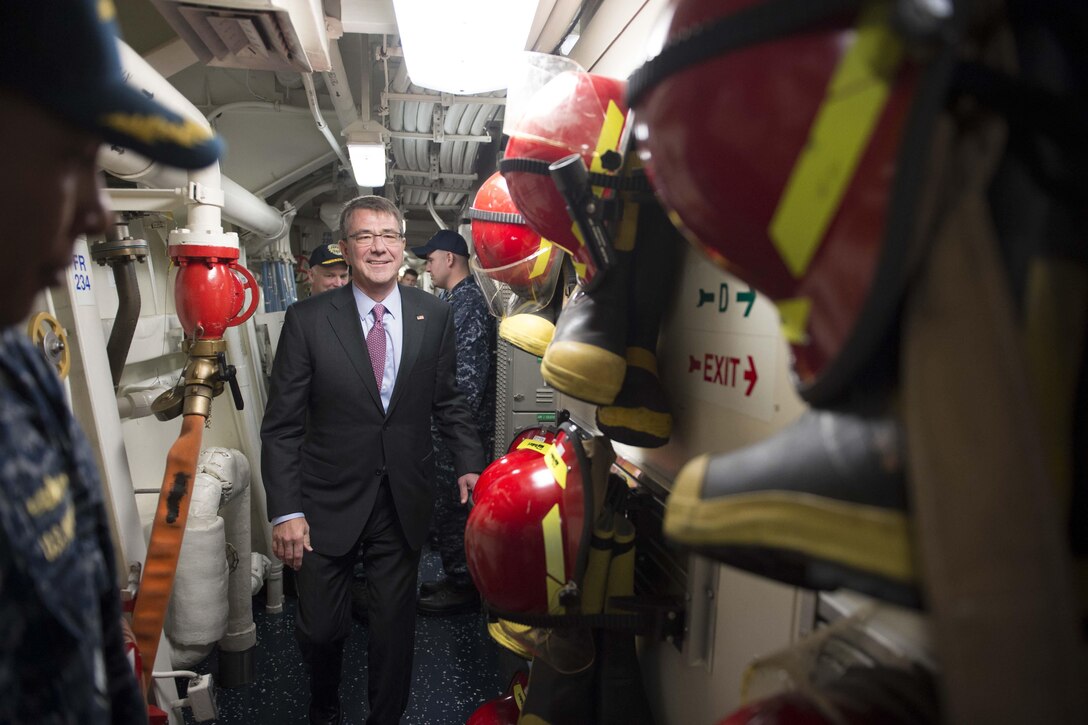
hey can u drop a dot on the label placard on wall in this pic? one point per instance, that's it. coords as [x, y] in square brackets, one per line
[80, 278]
[726, 369]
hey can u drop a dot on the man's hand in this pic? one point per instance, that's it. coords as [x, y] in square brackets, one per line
[466, 483]
[289, 539]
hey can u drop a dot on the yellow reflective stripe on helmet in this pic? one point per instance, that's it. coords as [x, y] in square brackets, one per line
[552, 525]
[609, 137]
[557, 466]
[519, 696]
[794, 314]
[577, 234]
[538, 446]
[153, 129]
[855, 98]
[579, 269]
[540, 264]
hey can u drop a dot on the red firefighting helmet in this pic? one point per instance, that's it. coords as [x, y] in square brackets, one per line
[507, 249]
[789, 147]
[527, 534]
[573, 113]
[528, 444]
[506, 708]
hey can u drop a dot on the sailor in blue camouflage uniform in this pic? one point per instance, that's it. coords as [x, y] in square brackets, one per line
[60, 616]
[474, 328]
[62, 659]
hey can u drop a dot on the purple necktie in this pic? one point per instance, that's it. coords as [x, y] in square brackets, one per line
[375, 345]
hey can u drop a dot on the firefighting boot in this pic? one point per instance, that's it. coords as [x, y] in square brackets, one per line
[586, 358]
[532, 331]
[621, 696]
[640, 415]
[822, 505]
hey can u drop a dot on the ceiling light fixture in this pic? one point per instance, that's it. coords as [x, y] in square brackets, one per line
[462, 46]
[366, 151]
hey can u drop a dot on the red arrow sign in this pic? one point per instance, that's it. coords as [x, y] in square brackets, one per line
[694, 363]
[751, 375]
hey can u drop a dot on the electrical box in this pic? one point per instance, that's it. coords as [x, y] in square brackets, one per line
[522, 398]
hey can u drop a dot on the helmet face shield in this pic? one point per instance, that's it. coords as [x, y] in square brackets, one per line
[510, 254]
[534, 72]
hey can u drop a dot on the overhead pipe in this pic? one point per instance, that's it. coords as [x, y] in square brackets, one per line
[274, 107]
[336, 83]
[434, 212]
[315, 110]
[239, 206]
[296, 203]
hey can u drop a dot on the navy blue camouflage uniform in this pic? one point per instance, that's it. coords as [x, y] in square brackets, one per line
[62, 658]
[474, 333]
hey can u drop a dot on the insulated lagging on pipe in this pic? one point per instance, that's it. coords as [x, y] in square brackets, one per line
[164, 547]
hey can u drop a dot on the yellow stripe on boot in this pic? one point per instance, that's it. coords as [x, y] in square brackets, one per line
[583, 371]
[861, 537]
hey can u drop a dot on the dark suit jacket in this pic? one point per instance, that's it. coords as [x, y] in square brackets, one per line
[326, 440]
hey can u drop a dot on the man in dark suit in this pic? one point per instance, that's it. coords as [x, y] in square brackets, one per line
[347, 458]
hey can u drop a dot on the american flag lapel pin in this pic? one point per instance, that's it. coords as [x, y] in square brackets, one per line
[419, 317]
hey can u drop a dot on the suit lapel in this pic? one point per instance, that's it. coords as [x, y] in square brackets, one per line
[412, 327]
[344, 317]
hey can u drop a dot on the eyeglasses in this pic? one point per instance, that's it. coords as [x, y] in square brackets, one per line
[365, 239]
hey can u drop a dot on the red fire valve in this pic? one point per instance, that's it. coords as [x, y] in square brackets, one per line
[210, 290]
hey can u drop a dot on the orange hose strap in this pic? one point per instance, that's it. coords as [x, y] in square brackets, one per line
[165, 544]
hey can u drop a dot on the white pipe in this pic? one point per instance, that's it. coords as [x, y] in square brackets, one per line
[336, 81]
[434, 213]
[273, 592]
[311, 193]
[240, 207]
[175, 673]
[311, 98]
[139, 73]
[248, 422]
[215, 113]
[259, 564]
[137, 403]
